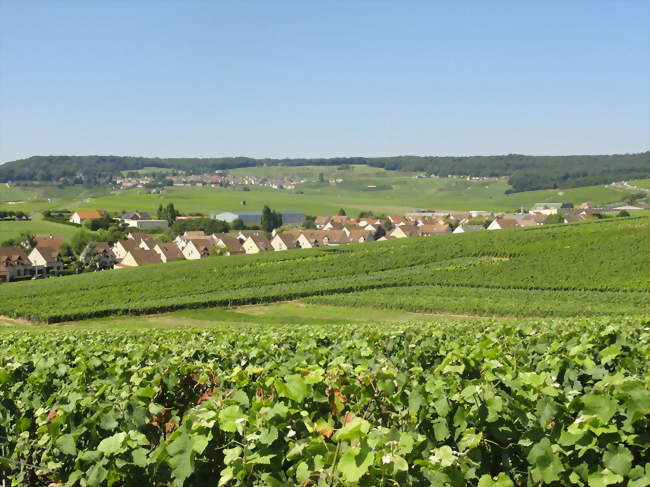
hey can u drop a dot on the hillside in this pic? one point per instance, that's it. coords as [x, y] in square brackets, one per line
[525, 172]
[603, 256]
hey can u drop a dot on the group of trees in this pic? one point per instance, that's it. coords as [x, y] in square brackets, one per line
[270, 219]
[525, 172]
[13, 215]
[168, 213]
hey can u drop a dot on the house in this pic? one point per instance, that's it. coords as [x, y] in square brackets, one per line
[332, 225]
[427, 230]
[137, 215]
[149, 243]
[147, 223]
[169, 252]
[181, 240]
[321, 221]
[243, 235]
[123, 247]
[50, 240]
[79, 217]
[359, 235]
[398, 221]
[138, 257]
[339, 219]
[229, 243]
[137, 236]
[46, 258]
[255, 244]
[502, 223]
[547, 208]
[197, 248]
[573, 217]
[286, 240]
[464, 228]
[255, 217]
[309, 239]
[104, 256]
[404, 231]
[14, 264]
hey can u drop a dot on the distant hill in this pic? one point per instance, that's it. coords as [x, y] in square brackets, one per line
[525, 173]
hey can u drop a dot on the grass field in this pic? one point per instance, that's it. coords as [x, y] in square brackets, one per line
[31, 199]
[642, 183]
[393, 192]
[9, 229]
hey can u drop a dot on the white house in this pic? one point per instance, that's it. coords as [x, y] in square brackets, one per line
[79, 217]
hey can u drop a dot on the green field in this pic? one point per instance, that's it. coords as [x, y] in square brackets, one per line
[150, 170]
[31, 199]
[11, 229]
[642, 183]
[395, 192]
[601, 256]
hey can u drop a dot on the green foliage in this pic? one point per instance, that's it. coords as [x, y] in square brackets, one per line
[80, 239]
[207, 225]
[554, 218]
[168, 213]
[270, 219]
[341, 212]
[237, 224]
[26, 240]
[561, 402]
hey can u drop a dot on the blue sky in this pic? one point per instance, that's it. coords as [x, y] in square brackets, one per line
[319, 79]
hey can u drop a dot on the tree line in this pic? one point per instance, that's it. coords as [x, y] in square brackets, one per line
[525, 172]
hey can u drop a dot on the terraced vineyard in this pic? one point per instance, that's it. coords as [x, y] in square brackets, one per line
[611, 255]
[502, 404]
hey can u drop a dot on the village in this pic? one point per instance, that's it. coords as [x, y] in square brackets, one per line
[45, 255]
[216, 179]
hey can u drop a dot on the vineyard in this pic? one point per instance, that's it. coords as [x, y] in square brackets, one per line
[608, 257]
[486, 301]
[504, 404]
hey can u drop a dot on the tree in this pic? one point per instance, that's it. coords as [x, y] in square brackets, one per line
[321, 177]
[171, 213]
[366, 214]
[623, 213]
[237, 224]
[554, 218]
[26, 240]
[342, 212]
[79, 241]
[270, 219]
[309, 223]
[89, 255]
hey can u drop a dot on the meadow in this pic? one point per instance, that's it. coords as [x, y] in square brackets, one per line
[603, 256]
[362, 188]
[394, 192]
[37, 226]
[642, 183]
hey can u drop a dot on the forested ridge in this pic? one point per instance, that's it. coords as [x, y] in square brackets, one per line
[525, 172]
